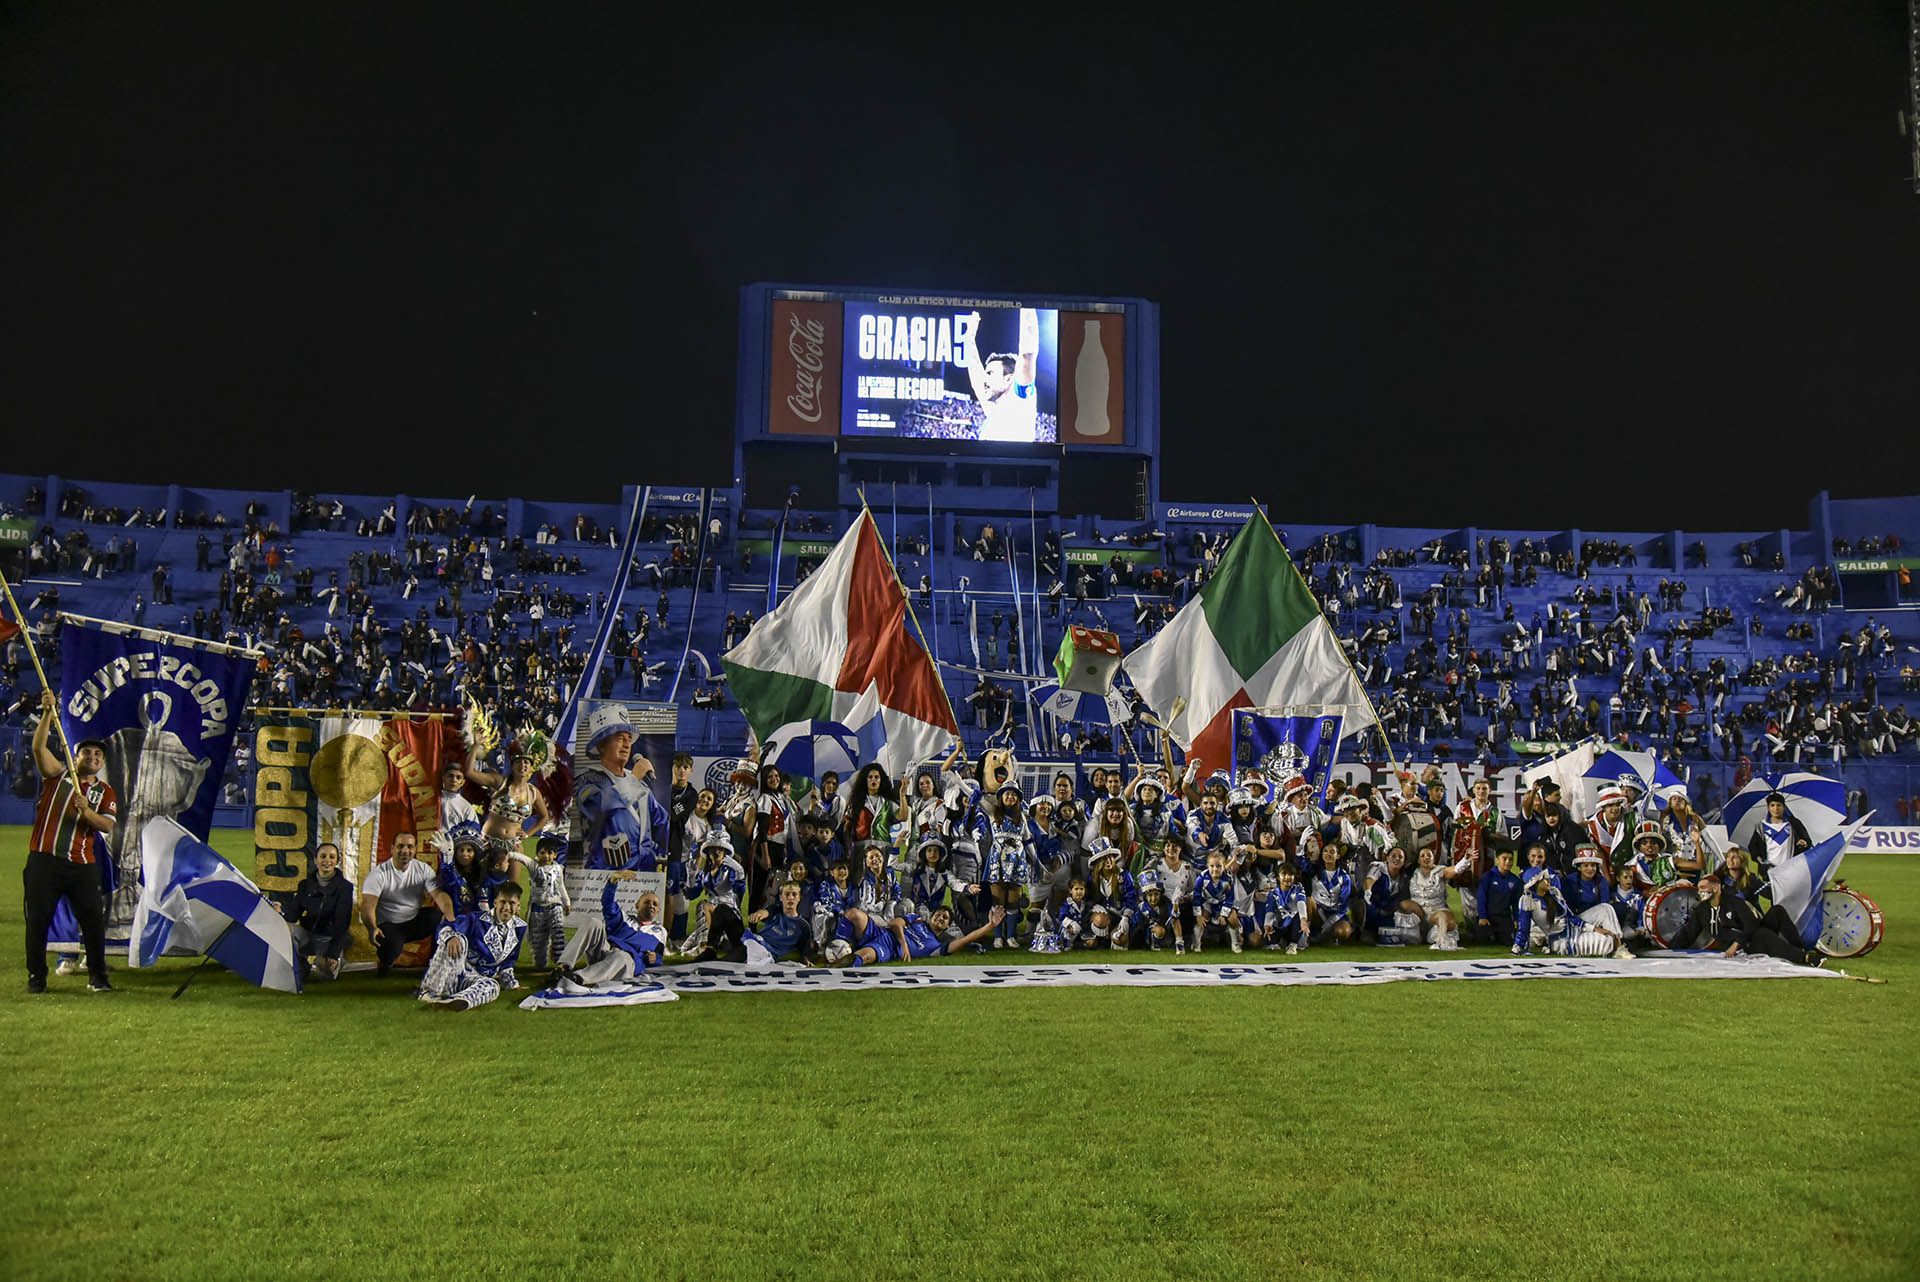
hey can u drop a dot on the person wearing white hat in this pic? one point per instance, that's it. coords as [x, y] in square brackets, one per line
[1296, 813]
[1610, 827]
[614, 816]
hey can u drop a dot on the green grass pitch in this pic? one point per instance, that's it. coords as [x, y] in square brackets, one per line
[1595, 1130]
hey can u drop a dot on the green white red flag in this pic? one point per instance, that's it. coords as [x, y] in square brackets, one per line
[1253, 638]
[839, 649]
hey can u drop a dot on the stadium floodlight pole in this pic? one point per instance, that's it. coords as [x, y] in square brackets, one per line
[1392, 759]
[26, 635]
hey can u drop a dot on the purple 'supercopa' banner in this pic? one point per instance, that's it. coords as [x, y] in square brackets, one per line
[166, 711]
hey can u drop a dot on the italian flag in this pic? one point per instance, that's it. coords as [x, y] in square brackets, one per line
[839, 649]
[1253, 638]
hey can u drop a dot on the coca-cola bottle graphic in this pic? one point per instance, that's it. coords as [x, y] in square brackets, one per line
[1090, 384]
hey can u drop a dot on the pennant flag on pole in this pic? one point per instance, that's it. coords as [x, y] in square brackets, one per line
[193, 901]
[1798, 882]
[843, 630]
[1254, 637]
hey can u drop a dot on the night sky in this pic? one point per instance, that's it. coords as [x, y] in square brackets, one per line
[1641, 266]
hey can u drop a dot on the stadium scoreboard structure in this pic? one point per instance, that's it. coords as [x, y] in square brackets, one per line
[977, 395]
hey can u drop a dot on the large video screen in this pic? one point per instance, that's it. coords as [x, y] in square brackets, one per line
[950, 372]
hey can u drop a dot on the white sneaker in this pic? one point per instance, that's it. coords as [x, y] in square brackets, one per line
[1236, 945]
[1179, 947]
[67, 965]
[1293, 950]
[999, 942]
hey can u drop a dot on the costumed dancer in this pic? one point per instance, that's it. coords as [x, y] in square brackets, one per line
[474, 955]
[615, 818]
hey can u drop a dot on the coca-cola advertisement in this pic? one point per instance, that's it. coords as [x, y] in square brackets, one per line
[804, 391]
[950, 369]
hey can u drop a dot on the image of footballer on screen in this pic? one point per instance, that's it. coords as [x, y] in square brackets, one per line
[942, 373]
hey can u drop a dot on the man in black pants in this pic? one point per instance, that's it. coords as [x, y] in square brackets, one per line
[67, 849]
[1730, 925]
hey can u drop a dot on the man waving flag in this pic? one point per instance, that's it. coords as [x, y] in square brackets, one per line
[1254, 637]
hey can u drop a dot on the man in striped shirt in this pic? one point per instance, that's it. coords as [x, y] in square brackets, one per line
[67, 849]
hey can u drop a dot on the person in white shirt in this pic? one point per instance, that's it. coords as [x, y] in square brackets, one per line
[401, 901]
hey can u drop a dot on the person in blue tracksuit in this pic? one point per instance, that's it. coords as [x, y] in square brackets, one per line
[1497, 901]
[1073, 916]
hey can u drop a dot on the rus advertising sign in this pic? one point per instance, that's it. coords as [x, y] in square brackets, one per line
[950, 370]
[1093, 355]
[803, 389]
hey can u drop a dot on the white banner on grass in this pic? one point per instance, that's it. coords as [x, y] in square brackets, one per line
[719, 977]
[571, 995]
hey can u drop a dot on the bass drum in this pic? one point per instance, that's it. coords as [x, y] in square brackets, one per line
[1852, 925]
[1666, 912]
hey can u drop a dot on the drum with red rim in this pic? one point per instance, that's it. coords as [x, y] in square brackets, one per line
[1666, 912]
[1852, 924]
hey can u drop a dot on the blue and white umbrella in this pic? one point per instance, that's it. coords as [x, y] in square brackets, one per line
[808, 749]
[1610, 765]
[1819, 803]
[1109, 709]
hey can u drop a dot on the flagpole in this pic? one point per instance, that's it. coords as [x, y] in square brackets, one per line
[26, 635]
[693, 604]
[158, 634]
[866, 513]
[933, 601]
[1385, 738]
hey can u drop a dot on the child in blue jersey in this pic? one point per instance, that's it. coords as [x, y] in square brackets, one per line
[1332, 899]
[832, 895]
[1073, 915]
[1282, 910]
[1157, 927]
[1629, 905]
[1214, 894]
[1387, 890]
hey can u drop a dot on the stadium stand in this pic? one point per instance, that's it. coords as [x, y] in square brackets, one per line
[1726, 652]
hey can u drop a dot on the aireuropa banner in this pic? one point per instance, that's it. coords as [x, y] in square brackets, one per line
[1191, 512]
